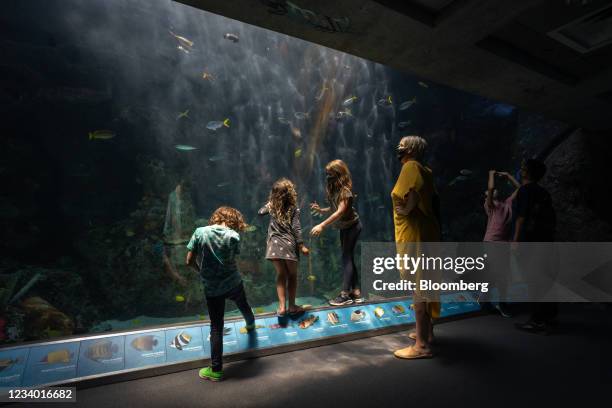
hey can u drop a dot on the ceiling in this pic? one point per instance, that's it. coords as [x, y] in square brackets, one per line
[553, 57]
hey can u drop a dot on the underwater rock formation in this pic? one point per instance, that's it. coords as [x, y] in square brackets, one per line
[580, 187]
[42, 320]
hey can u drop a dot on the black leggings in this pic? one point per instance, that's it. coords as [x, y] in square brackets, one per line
[216, 311]
[348, 241]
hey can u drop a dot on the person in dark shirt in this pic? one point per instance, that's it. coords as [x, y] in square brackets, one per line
[534, 221]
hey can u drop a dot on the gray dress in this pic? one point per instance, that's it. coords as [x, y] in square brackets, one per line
[283, 239]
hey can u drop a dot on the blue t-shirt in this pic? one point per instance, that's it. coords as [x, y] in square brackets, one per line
[215, 248]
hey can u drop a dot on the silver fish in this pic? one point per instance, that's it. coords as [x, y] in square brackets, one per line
[185, 148]
[407, 104]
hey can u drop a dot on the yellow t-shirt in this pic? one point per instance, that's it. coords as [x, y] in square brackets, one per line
[421, 225]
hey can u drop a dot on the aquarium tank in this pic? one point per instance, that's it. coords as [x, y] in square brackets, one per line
[126, 123]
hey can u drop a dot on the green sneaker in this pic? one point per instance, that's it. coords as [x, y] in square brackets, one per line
[208, 374]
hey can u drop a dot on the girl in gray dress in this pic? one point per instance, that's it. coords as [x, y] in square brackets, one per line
[284, 242]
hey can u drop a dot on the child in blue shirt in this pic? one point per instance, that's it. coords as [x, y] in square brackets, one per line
[213, 250]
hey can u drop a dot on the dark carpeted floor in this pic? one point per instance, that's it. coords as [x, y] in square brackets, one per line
[481, 361]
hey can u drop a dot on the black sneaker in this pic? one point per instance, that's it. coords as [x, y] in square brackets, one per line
[357, 299]
[341, 300]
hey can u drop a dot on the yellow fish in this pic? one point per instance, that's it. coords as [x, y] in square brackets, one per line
[183, 114]
[297, 153]
[243, 330]
[101, 135]
[180, 298]
[182, 40]
[208, 76]
[311, 278]
[59, 356]
[260, 310]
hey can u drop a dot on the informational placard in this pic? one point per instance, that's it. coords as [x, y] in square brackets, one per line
[310, 326]
[102, 355]
[68, 361]
[51, 363]
[335, 321]
[12, 366]
[361, 318]
[254, 339]
[282, 330]
[185, 343]
[145, 349]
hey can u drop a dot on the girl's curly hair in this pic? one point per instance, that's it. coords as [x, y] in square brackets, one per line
[341, 178]
[230, 216]
[282, 200]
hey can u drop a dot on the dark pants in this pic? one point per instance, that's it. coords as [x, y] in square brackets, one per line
[216, 311]
[348, 241]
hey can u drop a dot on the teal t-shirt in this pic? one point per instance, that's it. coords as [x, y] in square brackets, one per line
[215, 248]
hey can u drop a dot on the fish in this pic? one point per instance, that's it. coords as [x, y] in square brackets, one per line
[398, 309]
[358, 315]
[101, 350]
[232, 37]
[379, 312]
[208, 76]
[144, 343]
[129, 232]
[321, 93]
[311, 278]
[179, 298]
[217, 158]
[386, 101]
[181, 48]
[223, 184]
[227, 331]
[344, 114]
[243, 330]
[217, 124]
[349, 101]
[297, 153]
[465, 172]
[301, 115]
[58, 356]
[260, 310]
[283, 120]
[184, 42]
[296, 132]
[101, 135]
[402, 125]
[309, 321]
[332, 318]
[182, 115]
[185, 148]
[457, 180]
[423, 84]
[7, 363]
[180, 340]
[250, 228]
[407, 104]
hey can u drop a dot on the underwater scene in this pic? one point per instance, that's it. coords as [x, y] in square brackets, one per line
[126, 123]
